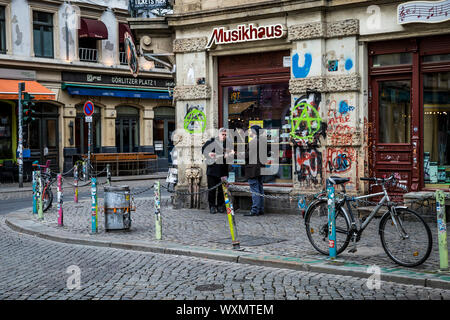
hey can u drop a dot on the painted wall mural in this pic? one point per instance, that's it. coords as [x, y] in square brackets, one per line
[301, 71]
[195, 119]
[340, 128]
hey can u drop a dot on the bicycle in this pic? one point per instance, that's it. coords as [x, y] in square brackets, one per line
[405, 236]
[47, 181]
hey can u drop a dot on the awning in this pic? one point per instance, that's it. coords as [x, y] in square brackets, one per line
[9, 90]
[101, 91]
[124, 27]
[90, 28]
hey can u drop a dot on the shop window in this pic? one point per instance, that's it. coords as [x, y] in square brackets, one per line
[127, 129]
[2, 30]
[43, 34]
[382, 60]
[437, 58]
[82, 133]
[394, 111]
[5, 132]
[266, 105]
[436, 106]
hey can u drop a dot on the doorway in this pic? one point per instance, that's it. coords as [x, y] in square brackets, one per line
[127, 129]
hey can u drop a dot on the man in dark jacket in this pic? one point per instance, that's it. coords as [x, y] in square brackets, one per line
[252, 170]
[216, 169]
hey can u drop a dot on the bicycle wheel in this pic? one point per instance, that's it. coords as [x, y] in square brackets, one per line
[316, 222]
[409, 243]
[47, 199]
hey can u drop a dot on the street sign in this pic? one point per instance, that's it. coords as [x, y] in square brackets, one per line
[88, 119]
[88, 108]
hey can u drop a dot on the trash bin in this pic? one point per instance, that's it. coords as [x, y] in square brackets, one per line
[117, 208]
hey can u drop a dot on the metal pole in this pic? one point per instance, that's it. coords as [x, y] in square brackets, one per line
[60, 201]
[230, 214]
[34, 193]
[158, 222]
[331, 220]
[75, 182]
[94, 204]
[442, 230]
[88, 169]
[39, 195]
[20, 147]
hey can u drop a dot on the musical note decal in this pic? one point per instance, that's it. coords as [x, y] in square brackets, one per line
[423, 12]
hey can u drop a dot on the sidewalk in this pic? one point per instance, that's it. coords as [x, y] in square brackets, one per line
[276, 240]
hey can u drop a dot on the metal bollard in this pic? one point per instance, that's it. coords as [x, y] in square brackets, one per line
[94, 225]
[34, 193]
[158, 222]
[442, 230]
[331, 220]
[40, 209]
[75, 183]
[230, 215]
[60, 201]
[108, 174]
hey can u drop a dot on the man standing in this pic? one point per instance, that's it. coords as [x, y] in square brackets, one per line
[216, 169]
[253, 171]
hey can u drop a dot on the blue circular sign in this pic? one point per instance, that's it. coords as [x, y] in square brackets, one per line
[88, 108]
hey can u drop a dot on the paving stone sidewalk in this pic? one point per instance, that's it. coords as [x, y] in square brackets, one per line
[270, 234]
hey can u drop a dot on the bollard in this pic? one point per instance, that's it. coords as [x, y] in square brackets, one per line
[94, 225]
[39, 186]
[108, 174]
[158, 222]
[34, 193]
[60, 201]
[230, 214]
[442, 230]
[331, 220]
[75, 183]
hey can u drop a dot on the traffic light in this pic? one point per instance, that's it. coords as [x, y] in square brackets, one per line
[28, 107]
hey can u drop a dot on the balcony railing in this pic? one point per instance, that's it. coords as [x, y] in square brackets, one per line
[123, 58]
[87, 54]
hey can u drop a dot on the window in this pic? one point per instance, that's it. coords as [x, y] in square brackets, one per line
[437, 58]
[436, 107]
[82, 133]
[88, 49]
[2, 30]
[383, 60]
[268, 106]
[5, 132]
[43, 34]
[127, 129]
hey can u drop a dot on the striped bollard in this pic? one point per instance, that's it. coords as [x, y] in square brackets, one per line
[39, 187]
[158, 222]
[442, 230]
[230, 215]
[94, 225]
[331, 220]
[60, 201]
[75, 183]
[34, 193]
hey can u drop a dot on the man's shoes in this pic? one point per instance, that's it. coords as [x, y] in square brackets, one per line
[221, 209]
[250, 214]
[212, 210]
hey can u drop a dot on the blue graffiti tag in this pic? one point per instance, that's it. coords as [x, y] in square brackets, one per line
[301, 72]
[348, 64]
[344, 107]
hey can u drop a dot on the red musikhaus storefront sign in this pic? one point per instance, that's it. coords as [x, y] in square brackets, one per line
[245, 33]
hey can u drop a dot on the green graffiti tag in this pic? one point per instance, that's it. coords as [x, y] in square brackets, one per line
[309, 121]
[194, 117]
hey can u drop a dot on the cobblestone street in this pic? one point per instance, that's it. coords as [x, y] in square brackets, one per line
[33, 268]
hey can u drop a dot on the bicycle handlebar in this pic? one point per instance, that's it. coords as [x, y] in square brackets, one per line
[385, 180]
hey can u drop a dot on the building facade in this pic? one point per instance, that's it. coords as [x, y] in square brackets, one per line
[345, 88]
[74, 53]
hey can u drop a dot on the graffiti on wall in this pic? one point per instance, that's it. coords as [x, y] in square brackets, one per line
[195, 119]
[340, 160]
[306, 129]
[301, 71]
[340, 131]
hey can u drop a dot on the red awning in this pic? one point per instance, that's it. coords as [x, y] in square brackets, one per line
[124, 27]
[90, 28]
[9, 90]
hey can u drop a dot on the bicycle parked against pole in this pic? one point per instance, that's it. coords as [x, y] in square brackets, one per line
[405, 236]
[47, 181]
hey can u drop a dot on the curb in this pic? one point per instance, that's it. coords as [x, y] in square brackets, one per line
[20, 222]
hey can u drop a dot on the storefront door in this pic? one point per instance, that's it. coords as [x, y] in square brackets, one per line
[43, 136]
[127, 129]
[391, 138]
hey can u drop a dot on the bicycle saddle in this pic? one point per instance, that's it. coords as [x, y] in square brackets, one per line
[338, 180]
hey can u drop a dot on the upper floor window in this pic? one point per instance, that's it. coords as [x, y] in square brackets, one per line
[382, 60]
[2, 30]
[43, 34]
